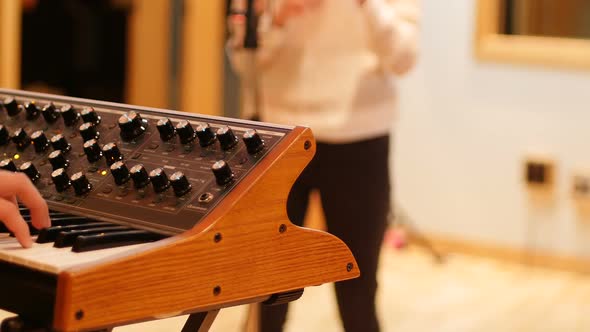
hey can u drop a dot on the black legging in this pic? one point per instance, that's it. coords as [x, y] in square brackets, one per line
[353, 181]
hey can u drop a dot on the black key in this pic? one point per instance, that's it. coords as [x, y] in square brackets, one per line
[26, 212]
[112, 240]
[68, 238]
[63, 221]
[52, 216]
[50, 234]
[67, 220]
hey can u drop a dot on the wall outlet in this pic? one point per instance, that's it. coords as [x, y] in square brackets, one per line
[581, 185]
[539, 172]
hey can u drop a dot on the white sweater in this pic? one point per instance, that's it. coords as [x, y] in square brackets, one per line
[334, 68]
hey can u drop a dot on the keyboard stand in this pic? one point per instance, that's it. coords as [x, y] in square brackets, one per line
[200, 321]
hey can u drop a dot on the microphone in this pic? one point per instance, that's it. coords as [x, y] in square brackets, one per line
[251, 37]
[244, 23]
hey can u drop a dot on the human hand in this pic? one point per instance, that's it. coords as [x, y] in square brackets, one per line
[18, 185]
[293, 8]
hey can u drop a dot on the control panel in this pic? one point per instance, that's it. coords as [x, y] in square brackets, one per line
[155, 169]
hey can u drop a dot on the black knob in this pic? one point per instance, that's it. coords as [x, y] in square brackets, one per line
[120, 173]
[58, 160]
[92, 151]
[30, 170]
[61, 180]
[159, 180]
[40, 141]
[31, 110]
[4, 135]
[166, 129]
[132, 126]
[11, 106]
[8, 165]
[59, 142]
[180, 184]
[223, 174]
[111, 153]
[140, 176]
[50, 114]
[90, 115]
[227, 138]
[253, 141]
[205, 134]
[69, 114]
[21, 139]
[81, 184]
[186, 133]
[88, 131]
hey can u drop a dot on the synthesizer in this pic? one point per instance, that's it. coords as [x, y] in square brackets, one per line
[155, 213]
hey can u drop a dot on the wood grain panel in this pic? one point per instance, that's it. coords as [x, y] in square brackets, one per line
[252, 259]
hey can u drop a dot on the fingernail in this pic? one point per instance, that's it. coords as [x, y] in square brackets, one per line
[27, 242]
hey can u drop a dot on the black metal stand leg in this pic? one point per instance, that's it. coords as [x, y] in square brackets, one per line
[200, 322]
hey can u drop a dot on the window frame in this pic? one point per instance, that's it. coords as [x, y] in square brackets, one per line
[492, 46]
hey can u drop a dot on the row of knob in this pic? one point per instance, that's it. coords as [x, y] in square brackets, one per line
[141, 179]
[122, 175]
[50, 112]
[93, 152]
[131, 125]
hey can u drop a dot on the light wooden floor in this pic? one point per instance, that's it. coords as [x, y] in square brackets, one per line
[463, 294]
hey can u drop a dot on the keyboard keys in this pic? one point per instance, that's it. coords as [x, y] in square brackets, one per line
[112, 240]
[83, 234]
[67, 239]
[50, 234]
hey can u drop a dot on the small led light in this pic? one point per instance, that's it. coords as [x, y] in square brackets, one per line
[16, 156]
[103, 173]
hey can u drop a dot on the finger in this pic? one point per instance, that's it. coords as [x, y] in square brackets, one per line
[10, 216]
[10, 198]
[19, 184]
[313, 3]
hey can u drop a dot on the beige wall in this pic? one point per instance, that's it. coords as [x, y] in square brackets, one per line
[467, 126]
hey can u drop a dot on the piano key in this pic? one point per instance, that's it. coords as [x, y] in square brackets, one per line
[62, 221]
[68, 238]
[45, 257]
[112, 240]
[27, 217]
[50, 234]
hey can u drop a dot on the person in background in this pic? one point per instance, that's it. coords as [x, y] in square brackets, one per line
[18, 185]
[332, 65]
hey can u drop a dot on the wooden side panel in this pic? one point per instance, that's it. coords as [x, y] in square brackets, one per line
[254, 256]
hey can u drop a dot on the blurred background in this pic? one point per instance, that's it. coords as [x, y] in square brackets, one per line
[492, 169]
